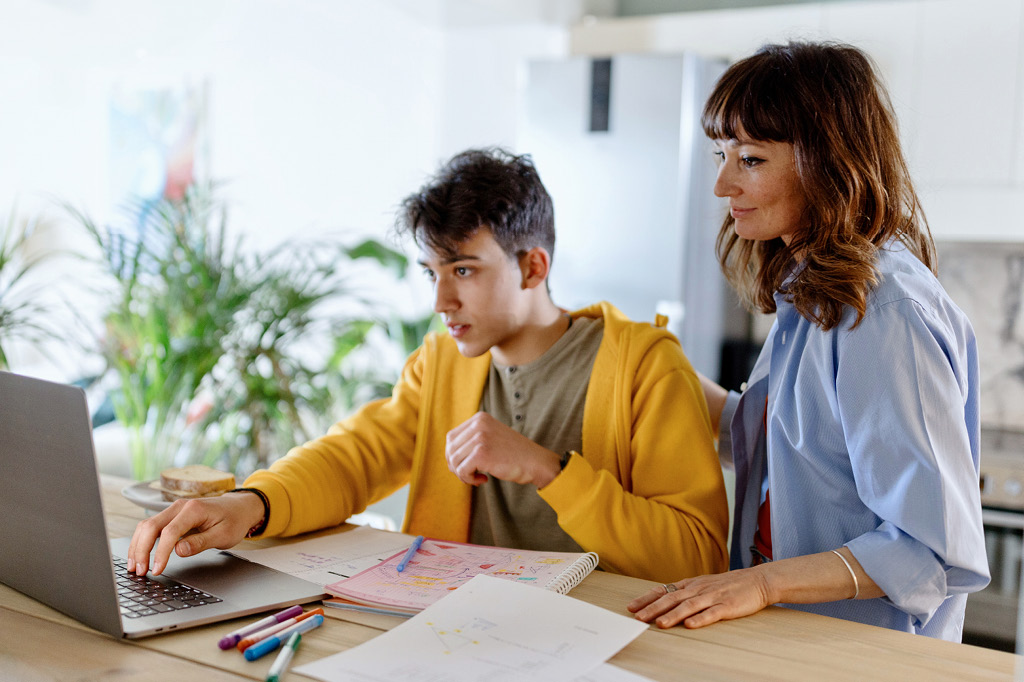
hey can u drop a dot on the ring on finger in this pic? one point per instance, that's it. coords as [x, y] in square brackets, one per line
[669, 587]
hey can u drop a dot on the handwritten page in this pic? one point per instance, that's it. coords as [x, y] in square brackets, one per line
[329, 558]
[487, 629]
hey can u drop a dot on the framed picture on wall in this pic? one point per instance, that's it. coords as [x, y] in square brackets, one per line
[158, 144]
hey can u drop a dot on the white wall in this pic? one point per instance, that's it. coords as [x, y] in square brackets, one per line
[321, 113]
[483, 69]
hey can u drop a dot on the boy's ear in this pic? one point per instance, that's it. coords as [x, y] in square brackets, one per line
[535, 265]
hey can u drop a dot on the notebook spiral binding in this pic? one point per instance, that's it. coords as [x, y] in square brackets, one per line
[574, 574]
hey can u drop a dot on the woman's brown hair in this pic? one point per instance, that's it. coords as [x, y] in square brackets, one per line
[825, 100]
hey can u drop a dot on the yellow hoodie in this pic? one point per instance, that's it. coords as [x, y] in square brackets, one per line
[646, 494]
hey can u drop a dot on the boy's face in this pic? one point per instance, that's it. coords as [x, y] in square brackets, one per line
[479, 293]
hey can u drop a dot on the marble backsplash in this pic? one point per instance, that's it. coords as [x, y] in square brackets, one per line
[987, 281]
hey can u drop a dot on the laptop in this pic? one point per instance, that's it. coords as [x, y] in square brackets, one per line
[53, 537]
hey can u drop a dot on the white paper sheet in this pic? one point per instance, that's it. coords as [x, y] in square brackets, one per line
[329, 558]
[611, 673]
[488, 629]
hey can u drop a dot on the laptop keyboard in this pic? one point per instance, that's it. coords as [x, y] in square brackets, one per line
[143, 596]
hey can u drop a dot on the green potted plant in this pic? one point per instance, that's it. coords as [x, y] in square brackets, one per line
[221, 353]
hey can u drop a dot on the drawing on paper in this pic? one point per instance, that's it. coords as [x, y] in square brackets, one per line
[440, 567]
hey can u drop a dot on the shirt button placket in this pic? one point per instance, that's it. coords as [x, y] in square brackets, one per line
[517, 394]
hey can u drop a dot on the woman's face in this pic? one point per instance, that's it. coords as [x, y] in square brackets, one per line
[761, 182]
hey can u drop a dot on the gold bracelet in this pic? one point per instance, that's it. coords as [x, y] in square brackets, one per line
[856, 583]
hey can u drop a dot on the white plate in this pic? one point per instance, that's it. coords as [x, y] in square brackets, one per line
[143, 495]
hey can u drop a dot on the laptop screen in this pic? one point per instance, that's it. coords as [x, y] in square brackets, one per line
[53, 540]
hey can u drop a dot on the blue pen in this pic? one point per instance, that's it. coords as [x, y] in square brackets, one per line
[265, 646]
[411, 553]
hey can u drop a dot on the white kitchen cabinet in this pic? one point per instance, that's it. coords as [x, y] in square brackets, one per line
[725, 34]
[966, 93]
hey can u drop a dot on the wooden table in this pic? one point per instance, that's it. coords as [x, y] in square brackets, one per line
[38, 643]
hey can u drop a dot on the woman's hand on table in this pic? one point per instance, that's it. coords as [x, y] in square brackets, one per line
[704, 600]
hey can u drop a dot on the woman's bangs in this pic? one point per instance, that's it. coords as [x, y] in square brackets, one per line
[746, 102]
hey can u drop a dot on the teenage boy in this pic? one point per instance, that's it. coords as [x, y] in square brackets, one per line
[524, 426]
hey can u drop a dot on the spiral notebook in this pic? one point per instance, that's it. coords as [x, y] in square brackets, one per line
[440, 567]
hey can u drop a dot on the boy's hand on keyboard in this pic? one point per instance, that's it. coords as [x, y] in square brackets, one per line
[190, 526]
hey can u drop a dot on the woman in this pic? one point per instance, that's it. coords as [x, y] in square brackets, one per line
[855, 443]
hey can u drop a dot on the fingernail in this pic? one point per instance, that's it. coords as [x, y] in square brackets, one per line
[131, 564]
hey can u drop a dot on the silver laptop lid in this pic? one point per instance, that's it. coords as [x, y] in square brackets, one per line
[53, 541]
[52, 533]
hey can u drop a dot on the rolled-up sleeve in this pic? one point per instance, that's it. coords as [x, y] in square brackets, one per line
[907, 418]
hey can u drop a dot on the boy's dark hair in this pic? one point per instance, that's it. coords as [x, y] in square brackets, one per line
[481, 187]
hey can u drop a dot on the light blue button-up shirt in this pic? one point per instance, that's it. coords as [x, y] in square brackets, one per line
[872, 443]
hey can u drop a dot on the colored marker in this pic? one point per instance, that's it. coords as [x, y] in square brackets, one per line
[284, 658]
[411, 553]
[265, 646]
[248, 641]
[233, 638]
